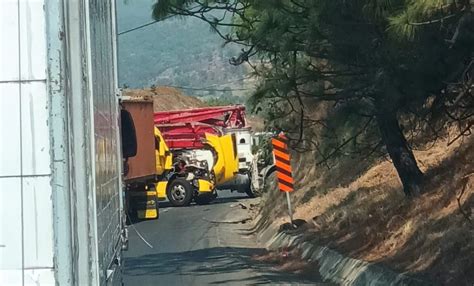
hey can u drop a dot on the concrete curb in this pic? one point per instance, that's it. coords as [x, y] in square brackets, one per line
[335, 267]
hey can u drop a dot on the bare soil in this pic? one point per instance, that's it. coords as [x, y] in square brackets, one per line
[360, 210]
[165, 98]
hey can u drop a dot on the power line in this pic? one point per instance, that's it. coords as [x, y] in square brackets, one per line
[208, 88]
[232, 81]
[151, 23]
[144, 25]
[186, 87]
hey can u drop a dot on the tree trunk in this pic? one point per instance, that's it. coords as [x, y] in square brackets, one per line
[400, 153]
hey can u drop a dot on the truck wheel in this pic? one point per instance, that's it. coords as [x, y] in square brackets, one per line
[180, 192]
[252, 193]
[204, 199]
[249, 190]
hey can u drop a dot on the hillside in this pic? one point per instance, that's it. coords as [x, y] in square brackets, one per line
[165, 98]
[359, 209]
[176, 52]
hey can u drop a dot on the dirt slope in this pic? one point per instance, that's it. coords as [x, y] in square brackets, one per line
[165, 98]
[360, 210]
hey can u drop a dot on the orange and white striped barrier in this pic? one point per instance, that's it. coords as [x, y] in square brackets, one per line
[281, 156]
[282, 163]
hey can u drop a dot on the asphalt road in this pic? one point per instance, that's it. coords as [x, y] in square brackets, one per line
[190, 248]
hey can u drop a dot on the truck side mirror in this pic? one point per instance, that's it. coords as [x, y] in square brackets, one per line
[129, 136]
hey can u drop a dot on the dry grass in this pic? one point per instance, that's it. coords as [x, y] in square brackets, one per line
[369, 217]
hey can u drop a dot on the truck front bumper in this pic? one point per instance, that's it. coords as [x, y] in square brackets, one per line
[205, 186]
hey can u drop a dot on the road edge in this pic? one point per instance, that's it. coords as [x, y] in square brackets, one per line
[333, 266]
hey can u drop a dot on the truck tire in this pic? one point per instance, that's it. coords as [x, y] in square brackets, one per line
[252, 193]
[180, 192]
[268, 178]
[204, 199]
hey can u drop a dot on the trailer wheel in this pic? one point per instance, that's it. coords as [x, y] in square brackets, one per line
[180, 192]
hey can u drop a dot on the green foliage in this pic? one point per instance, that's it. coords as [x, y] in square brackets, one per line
[354, 134]
[389, 54]
[223, 100]
[160, 8]
[375, 60]
[416, 15]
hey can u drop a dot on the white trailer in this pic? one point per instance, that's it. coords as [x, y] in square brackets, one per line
[60, 161]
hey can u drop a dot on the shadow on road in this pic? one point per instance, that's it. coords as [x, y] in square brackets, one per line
[222, 265]
[219, 200]
[163, 205]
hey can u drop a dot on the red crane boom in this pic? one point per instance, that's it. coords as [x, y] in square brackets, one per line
[186, 128]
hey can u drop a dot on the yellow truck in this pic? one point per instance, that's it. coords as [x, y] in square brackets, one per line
[156, 172]
[192, 174]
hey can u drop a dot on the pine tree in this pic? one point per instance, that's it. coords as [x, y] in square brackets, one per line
[384, 57]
